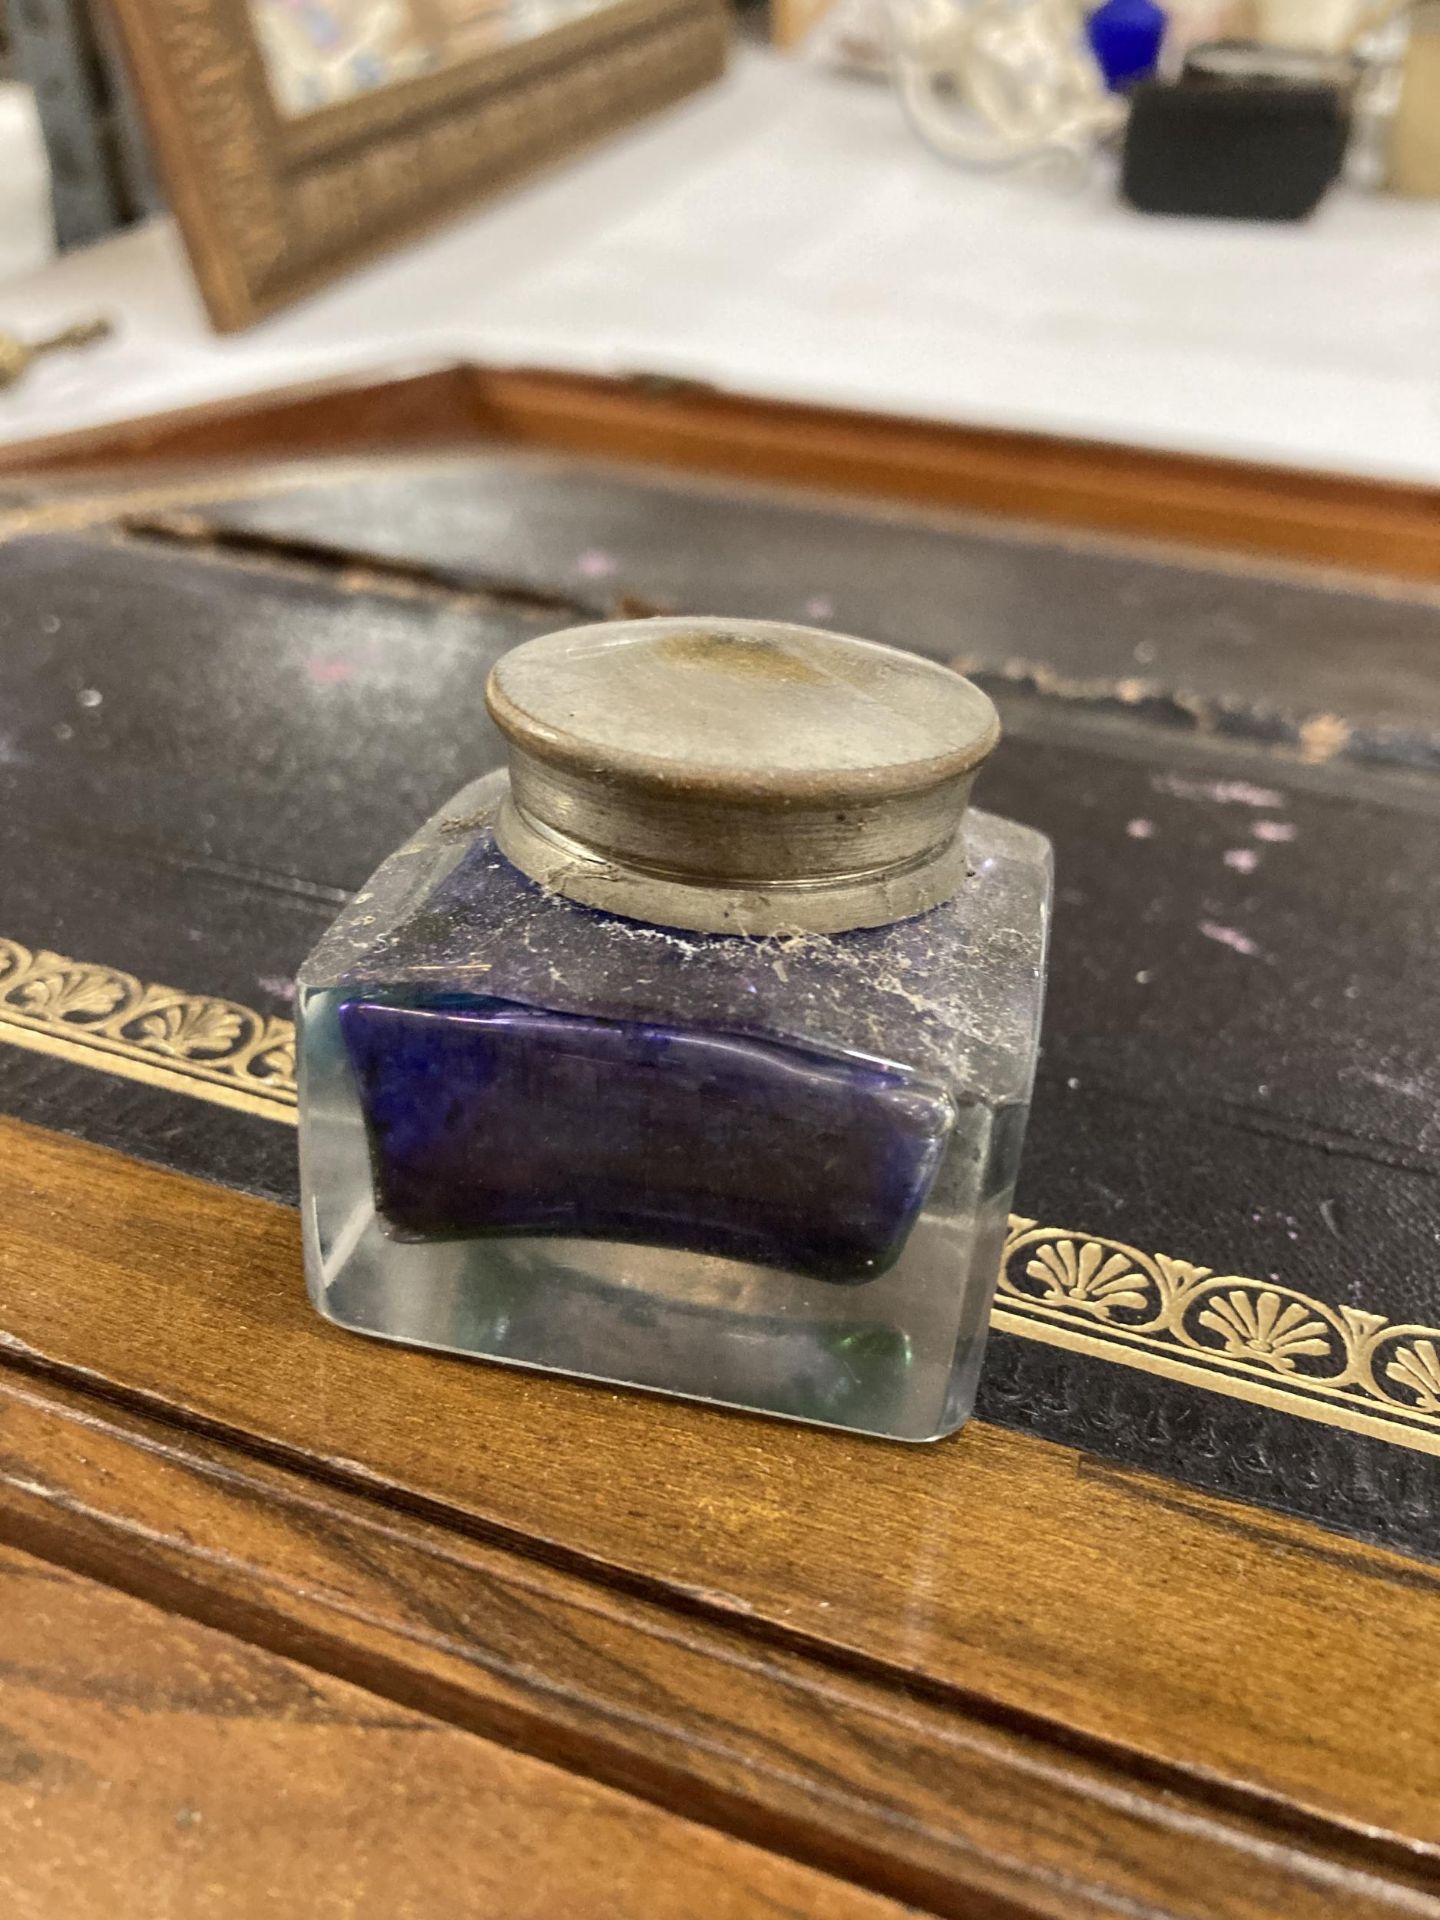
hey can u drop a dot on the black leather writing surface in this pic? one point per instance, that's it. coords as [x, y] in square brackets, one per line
[1226, 1264]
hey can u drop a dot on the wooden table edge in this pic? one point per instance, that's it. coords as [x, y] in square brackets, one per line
[1224, 505]
[159, 1552]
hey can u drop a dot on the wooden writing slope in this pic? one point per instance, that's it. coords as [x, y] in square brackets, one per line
[294, 1621]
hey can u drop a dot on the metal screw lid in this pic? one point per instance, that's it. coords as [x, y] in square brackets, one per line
[737, 776]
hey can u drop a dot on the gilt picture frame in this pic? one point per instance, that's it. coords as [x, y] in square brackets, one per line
[298, 138]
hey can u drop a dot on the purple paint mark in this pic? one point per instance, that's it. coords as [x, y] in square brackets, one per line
[1228, 937]
[329, 673]
[594, 564]
[817, 607]
[1242, 859]
[1141, 829]
[1226, 793]
[1275, 832]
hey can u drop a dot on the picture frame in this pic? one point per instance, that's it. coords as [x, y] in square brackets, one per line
[298, 138]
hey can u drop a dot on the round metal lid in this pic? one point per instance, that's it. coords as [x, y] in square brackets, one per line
[737, 775]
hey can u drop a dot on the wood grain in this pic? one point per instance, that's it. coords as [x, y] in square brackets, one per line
[929, 1804]
[156, 1769]
[1234, 506]
[1247, 1661]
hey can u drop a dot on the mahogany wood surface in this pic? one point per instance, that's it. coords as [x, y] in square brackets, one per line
[156, 1769]
[982, 1677]
[877, 1785]
[1230, 505]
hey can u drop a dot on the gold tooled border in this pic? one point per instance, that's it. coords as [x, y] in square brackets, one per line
[191, 1043]
[1252, 1340]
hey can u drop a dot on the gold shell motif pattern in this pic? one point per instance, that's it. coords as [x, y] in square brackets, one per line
[1255, 1340]
[190, 1042]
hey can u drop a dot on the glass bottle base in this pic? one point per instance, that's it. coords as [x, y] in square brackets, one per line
[691, 1326]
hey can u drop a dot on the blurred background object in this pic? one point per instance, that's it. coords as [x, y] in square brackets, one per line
[66, 54]
[850, 36]
[1414, 151]
[56, 53]
[1003, 83]
[1125, 37]
[1247, 132]
[1191, 22]
[18, 355]
[27, 228]
[1325, 24]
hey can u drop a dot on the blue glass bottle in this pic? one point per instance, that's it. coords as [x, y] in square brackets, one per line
[694, 1052]
[1125, 37]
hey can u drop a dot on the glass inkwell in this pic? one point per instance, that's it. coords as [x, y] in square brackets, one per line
[694, 1051]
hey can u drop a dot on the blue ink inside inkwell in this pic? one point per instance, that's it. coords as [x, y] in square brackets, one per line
[495, 1118]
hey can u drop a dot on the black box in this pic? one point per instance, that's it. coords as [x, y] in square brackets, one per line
[1253, 151]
